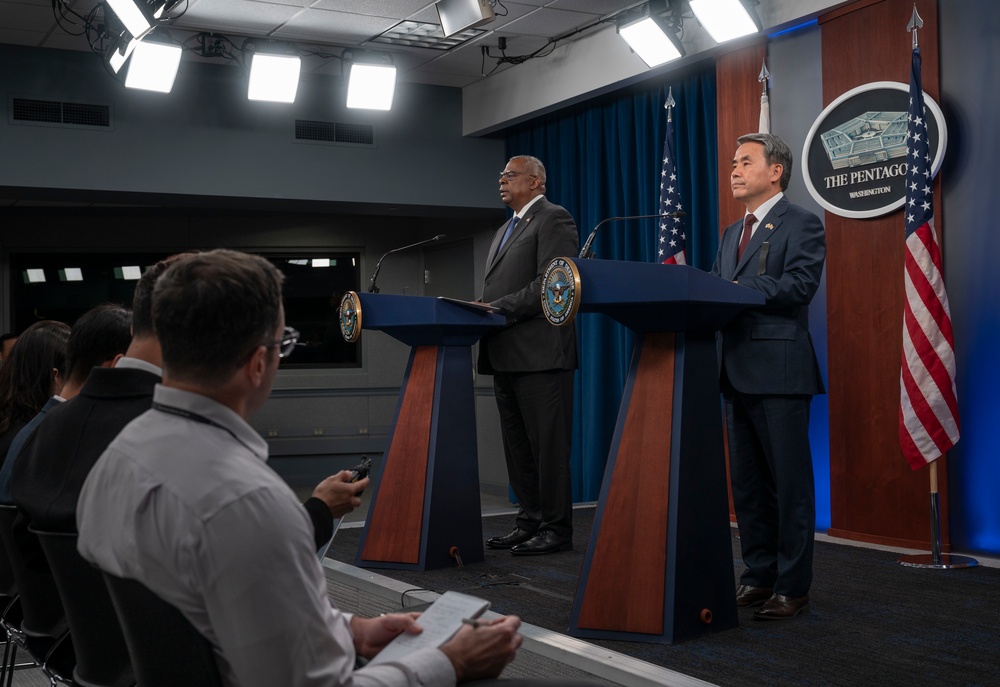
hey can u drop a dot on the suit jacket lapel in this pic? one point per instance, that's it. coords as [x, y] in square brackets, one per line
[765, 228]
[519, 228]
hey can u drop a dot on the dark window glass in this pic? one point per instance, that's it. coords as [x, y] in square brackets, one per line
[63, 286]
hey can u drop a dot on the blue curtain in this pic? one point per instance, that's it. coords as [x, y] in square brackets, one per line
[603, 159]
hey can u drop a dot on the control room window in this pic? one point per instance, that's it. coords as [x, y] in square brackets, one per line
[63, 286]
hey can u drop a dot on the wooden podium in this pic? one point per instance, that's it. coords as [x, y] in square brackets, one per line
[425, 506]
[659, 564]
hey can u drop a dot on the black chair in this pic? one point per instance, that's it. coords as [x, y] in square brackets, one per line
[43, 631]
[102, 658]
[165, 647]
[10, 615]
[10, 625]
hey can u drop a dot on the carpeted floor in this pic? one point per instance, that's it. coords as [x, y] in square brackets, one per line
[872, 620]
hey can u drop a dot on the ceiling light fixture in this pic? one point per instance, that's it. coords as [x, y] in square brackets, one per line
[371, 82]
[120, 51]
[136, 15]
[650, 39]
[274, 78]
[153, 66]
[458, 15]
[726, 20]
[34, 276]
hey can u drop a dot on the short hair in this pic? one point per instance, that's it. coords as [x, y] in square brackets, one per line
[211, 310]
[142, 299]
[535, 167]
[26, 374]
[776, 152]
[99, 335]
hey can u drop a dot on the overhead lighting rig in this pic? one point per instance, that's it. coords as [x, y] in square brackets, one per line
[726, 20]
[154, 64]
[371, 80]
[274, 71]
[649, 36]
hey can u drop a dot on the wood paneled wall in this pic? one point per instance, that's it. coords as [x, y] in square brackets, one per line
[738, 103]
[874, 495]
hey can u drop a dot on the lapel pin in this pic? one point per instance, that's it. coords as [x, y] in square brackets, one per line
[769, 226]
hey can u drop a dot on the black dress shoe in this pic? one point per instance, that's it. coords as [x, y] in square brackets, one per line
[546, 541]
[752, 596]
[517, 536]
[780, 607]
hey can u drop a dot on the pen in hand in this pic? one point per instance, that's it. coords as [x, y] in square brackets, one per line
[472, 622]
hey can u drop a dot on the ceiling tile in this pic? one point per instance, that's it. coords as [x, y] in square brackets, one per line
[16, 37]
[245, 18]
[396, 9]
[26, 17]
[301, 4]
[600, 7]
[428, 14]
[550, 23]
[334, 27]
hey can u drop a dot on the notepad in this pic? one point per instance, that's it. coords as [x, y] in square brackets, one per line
[440, 622]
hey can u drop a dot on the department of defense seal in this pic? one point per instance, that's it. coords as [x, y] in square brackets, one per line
[560, 291]
[350, 317]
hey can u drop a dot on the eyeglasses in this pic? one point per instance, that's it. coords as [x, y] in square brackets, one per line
[286, 344]
[510, 175]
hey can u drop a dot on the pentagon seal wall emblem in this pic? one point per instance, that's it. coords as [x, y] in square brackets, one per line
[560, 291]
[350, 317]
[854, 161]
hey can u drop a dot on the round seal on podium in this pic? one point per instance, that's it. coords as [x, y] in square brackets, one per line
[560, 291]
[350, 317]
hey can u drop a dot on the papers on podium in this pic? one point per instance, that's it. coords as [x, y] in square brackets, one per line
[440, 622]
[470, 305]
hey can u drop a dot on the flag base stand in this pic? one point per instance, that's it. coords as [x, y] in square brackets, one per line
[935, 559]
[944, 561]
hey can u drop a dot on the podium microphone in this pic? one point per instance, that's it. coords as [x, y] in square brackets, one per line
[587, 254]
[371, 282]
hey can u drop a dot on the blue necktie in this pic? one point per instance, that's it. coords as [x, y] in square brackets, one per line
[506, 234]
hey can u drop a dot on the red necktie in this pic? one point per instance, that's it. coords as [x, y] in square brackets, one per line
[745, 239]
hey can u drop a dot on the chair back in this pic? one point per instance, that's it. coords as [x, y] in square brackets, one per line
[166, 649]
[43, 610]
[102, 658]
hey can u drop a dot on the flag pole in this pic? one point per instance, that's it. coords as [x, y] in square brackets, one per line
[764, 125]
[935, 559]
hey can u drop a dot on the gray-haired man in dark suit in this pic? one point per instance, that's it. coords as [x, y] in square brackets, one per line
[532, 362]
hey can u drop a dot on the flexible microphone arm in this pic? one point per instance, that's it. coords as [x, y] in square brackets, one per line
[371, 282]
[587, 254]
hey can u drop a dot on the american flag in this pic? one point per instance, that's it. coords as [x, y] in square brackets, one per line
[928, 411]
[671, 240]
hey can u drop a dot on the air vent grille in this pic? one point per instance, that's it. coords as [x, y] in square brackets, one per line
[335, 132]
[54, 112]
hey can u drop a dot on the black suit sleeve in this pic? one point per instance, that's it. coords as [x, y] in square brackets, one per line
[322, 520]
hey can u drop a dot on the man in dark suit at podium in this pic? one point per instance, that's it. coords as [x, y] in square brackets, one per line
[769, 374]
[532, 362]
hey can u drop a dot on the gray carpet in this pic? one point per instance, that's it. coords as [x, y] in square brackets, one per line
[872, 620]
